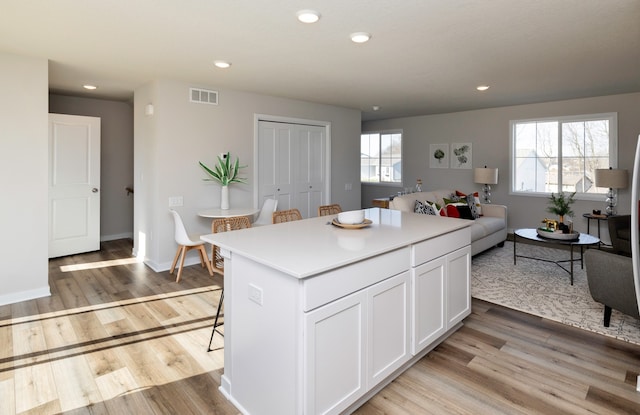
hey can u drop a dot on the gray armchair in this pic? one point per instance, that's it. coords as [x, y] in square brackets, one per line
[620, 233]
[610, 278]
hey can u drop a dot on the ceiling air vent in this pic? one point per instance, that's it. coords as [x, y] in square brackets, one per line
[203, 96]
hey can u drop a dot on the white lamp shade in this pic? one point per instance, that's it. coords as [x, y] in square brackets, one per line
[612, 178]
[484, 175]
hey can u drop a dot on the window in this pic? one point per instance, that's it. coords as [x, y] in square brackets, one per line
[381, 157]
[561, 154]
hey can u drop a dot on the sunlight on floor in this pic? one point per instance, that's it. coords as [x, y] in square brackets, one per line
[99, 264]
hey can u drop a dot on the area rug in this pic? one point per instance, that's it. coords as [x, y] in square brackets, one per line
[543, 289]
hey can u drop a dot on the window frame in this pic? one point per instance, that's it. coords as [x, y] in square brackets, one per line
[612, 117]
[387, 132]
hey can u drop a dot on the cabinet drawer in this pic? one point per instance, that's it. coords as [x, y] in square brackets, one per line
[323, 288]
[433, 248]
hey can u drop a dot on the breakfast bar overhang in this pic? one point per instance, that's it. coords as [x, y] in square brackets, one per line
[319, 318]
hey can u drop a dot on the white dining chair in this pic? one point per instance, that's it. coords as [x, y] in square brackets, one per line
[264, 217]
[185, 244]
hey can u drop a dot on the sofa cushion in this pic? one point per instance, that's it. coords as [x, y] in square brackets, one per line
[485, 225]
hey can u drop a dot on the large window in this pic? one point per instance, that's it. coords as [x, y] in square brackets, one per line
[562, 154]
[381, 157]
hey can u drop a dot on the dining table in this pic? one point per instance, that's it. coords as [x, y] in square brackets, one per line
[217, 213]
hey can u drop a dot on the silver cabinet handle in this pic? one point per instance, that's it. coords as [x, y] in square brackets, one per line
[94, 190]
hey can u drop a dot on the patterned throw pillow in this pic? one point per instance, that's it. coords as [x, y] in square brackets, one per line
[421, 207]
[476, 199]
[473, 202]
[429, 208]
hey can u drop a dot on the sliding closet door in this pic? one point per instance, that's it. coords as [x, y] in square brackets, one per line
[291, 165]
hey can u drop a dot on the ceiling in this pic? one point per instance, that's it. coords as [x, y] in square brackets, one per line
[424, 57]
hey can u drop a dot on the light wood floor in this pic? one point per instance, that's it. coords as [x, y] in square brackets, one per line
[119, 338]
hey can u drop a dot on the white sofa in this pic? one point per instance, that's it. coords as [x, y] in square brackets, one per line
[487, 231]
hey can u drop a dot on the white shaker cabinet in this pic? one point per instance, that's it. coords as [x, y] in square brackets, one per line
[364, 337]
[441, 293]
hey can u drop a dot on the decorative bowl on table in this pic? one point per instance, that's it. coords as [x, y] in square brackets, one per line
[559, 235]
[352, 217]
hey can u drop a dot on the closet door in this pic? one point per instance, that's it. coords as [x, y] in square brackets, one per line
[309, 169]
[275, 164]
[291, 166]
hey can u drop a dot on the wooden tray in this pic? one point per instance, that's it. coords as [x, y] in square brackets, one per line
[558, 235]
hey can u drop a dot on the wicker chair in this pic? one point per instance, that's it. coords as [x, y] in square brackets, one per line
[225, 225]
[325, 210]
[288, 215]
[217, 226]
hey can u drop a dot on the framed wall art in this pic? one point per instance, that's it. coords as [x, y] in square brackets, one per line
[461, 155]
[439, 156]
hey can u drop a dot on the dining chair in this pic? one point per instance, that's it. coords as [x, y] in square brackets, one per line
[265, 217]
[217, 226]
[185, 244]
[325, 210]
[289, 215]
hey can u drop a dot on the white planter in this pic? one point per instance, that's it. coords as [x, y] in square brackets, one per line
[224, 199]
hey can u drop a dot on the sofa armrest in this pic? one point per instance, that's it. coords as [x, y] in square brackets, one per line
[495, 211]
[611, 281]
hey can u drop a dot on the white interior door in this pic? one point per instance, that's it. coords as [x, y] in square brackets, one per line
[74, 184]
[292, 160]
[275, 164]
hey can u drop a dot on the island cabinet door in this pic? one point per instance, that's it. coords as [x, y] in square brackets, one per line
[388, 327]
[458, 285]
[334, 351]
[429, 303]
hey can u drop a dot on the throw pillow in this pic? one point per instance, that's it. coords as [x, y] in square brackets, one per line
[421, 207]
[428, 208]
[459, 211]
[439, 210]
[474, 196]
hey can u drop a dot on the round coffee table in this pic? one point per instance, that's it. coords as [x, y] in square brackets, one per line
[584, 239]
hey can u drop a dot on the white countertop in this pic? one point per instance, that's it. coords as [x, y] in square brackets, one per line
[312, 246]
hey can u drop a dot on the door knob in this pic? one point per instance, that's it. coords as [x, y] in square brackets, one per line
[94, 190]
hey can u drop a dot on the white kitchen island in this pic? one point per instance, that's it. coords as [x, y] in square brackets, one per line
[319, 318]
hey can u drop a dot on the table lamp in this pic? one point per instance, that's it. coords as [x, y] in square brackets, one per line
[613, 179]
[487, 177]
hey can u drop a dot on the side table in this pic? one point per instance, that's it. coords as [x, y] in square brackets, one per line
[382, 202]
[597, 218]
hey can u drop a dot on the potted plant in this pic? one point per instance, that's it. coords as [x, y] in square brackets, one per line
[225, 173]
[561, 205]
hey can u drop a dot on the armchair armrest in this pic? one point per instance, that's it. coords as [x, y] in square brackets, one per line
[610, 279]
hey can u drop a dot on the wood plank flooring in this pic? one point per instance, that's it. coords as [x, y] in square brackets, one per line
[118, 338]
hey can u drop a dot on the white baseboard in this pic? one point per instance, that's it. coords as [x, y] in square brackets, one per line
[25, 295]
[165, 266]
[126, 235]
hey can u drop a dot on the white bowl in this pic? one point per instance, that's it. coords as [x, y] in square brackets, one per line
[352, 217]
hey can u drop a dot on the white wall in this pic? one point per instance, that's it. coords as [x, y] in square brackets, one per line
[23, 178]
[116, 158]
[169, 144]
[488, 131]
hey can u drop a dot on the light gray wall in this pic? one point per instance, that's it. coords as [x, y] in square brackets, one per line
[488, 131]
[169, 144]
[23, 178]
[116, 158]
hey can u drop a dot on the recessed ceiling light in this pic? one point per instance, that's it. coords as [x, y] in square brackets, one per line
[308, 16]
[360, 37]
[482, 87]
[90, 87]
[376, 108]
[222, 64]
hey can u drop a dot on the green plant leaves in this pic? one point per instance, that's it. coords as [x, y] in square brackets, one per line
[225, 172]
